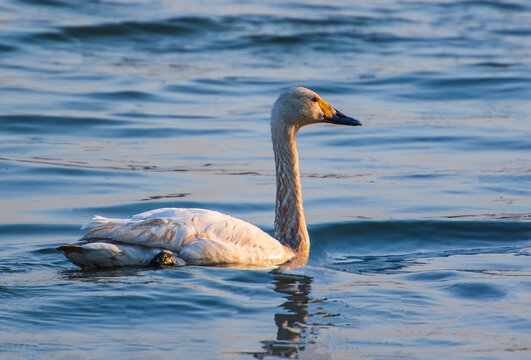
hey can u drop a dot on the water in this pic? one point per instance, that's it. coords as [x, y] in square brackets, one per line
[419, 220]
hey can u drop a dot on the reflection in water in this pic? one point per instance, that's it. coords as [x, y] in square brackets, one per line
[291, 320]
[113, 275]
[291, 323]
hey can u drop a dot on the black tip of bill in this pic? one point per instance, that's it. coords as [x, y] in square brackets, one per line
[341, 119]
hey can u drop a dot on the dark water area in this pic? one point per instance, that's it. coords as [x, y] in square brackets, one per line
[419, 220]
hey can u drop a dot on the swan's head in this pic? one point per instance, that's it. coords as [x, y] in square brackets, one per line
[298, 106]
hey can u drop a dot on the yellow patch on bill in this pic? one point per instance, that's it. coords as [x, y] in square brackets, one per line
[326, 108]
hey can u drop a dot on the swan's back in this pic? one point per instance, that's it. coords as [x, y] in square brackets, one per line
[197, 236]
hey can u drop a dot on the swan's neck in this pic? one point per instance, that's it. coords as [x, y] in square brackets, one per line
[290, 225]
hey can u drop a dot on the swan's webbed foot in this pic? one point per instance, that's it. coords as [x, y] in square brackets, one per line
[164, 260]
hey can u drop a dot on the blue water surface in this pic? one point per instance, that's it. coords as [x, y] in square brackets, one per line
[419, 220]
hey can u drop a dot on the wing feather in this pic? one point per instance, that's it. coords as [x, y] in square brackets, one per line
[199, 236]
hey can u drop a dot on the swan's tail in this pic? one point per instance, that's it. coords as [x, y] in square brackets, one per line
[108, 255]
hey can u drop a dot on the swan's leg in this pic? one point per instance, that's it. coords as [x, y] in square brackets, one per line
[166, 259]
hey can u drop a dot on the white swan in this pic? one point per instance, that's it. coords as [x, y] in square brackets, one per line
[172, 236]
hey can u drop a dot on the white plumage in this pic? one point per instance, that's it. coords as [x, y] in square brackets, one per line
[172, 236]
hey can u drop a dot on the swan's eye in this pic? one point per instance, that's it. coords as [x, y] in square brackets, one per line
[315, 99]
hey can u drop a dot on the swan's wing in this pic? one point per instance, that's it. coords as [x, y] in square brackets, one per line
[198, 236]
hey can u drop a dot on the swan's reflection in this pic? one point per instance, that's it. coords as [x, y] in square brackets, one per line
[291, 322]
[292, 330]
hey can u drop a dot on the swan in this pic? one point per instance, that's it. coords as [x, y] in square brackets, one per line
[177, 236]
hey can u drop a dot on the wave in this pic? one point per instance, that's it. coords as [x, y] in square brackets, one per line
[399, 236]
[390, 246]
[131, 30]
[98, 127]
[232, 32]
